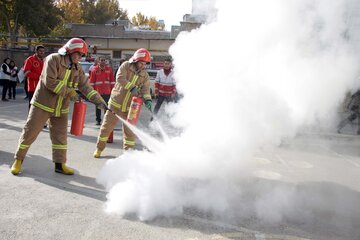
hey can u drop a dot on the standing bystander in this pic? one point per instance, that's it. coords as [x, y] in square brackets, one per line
[25, 83]
[165, 85]
[13, 80]
[5, 75]
[96, 61]
[102, 80]
[32, 69]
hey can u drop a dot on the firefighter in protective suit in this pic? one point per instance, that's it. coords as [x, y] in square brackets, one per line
[131, 80]
[61, 75]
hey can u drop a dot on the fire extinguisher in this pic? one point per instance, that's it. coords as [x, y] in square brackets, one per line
[134, 112]
[111, 137]
[78, 118]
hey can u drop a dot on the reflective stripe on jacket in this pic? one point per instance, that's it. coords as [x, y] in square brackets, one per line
[165, 85]
[32, 68]
[4, 75]
[102, 80]
[55, 81]
[126, 79]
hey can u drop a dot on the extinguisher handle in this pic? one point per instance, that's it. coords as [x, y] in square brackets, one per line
[108, 109]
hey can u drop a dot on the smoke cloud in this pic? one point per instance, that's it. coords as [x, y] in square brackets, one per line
[255, 75]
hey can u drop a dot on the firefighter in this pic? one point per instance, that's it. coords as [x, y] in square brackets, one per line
[102, 80]
[131, 80]
[61, 75]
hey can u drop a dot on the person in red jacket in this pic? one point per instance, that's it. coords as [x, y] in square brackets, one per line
[102, 80]
[32, 69]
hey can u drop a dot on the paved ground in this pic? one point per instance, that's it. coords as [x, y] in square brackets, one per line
[40, 204]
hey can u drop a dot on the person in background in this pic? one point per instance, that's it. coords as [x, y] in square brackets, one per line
[32, 69]
[91, 68]
[61, 75]
[354, 109]
[131, 80]
[102, 80]
[122, 60]
[13, 80]
[5, 75]
[25, 82]
[165, 85]
[26, 88]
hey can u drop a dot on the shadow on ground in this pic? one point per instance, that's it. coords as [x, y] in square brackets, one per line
[42, 170]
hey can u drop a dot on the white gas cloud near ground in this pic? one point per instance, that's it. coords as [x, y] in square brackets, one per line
[247, 85]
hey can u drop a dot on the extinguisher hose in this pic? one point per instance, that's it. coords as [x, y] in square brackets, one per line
[152, 115]
[107, 108]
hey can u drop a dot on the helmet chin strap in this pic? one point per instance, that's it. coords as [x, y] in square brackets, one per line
[72, 63]
[137, 70]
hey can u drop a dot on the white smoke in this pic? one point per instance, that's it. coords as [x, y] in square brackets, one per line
[253, 77]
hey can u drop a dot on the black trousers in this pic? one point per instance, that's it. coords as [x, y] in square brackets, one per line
[25, 87]
[106, 97]
[353, 116]
[5, 84]
[30, 95]
[159, 102]
[12, 89]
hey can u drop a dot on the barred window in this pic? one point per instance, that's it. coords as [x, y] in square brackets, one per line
[117, 54]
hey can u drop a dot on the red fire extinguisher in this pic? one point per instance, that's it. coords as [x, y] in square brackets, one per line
[78, 118]
[111, 137]
[135, 108]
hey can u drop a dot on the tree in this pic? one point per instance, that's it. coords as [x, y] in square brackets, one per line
[154, 25]
[70, 14]
[139, 20]
[87, 11]
[101, 11]
[9, 17]
[38, 17]
[123, 14]
[35, 17]
[70, 9]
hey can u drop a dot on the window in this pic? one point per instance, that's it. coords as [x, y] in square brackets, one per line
[117, 54]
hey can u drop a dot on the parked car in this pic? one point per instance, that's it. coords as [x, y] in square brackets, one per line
[86, 66]
[152, 74]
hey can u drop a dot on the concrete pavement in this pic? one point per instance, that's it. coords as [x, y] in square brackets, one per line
[41, 204]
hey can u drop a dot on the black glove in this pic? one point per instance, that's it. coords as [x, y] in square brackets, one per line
[148, 105]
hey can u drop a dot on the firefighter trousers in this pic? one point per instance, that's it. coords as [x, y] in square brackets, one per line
[34, 124]
[108, 126]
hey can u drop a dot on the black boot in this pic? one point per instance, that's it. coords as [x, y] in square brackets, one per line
[62, 168]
